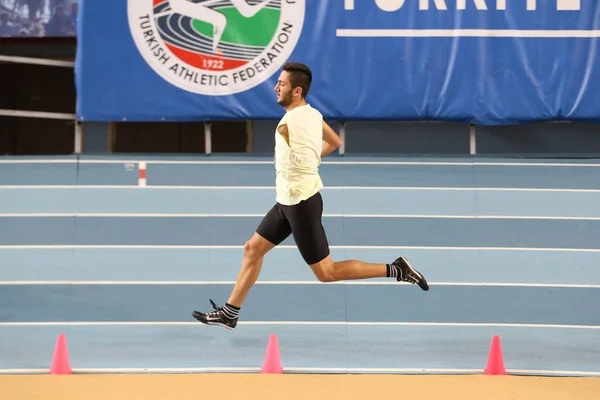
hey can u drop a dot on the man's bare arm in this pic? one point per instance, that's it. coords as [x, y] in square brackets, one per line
[283, 131]
[331, 140]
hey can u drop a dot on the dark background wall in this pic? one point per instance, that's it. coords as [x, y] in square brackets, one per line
[52, 89]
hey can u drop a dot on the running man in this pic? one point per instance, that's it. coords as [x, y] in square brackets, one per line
[302, 138]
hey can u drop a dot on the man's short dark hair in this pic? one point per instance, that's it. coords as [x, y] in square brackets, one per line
[300, 76]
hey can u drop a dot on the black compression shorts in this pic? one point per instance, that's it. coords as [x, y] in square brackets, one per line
[303, 220]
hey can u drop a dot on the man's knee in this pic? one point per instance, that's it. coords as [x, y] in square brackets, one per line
[325, 270]
[256, 247]
[251, 250]
[325, 275]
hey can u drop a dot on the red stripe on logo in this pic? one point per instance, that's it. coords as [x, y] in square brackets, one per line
[201, 61]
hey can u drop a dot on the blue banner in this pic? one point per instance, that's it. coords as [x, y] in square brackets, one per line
[486, 62]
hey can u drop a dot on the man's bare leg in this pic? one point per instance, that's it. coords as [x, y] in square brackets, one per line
[227, 316]
[254, 252]
[327, 270]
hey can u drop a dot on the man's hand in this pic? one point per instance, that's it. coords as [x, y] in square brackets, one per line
[331, 140]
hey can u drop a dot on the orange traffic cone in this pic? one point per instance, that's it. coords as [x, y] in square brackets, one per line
[495, 364]
[60, 361]
[272, 362]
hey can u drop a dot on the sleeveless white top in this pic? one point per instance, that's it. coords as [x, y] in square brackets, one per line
[297, 163]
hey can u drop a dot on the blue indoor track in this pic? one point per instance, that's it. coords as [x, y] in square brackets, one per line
[510, 247]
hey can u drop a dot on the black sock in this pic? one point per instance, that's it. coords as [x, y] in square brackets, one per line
[392, 271]
[231, 312]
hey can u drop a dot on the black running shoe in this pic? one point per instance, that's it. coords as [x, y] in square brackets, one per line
[216, 317]
[408, 274]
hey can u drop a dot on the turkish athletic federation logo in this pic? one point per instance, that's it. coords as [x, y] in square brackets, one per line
[216, 47]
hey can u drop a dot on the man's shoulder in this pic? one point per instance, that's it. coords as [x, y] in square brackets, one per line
[283, 118]
[304, 111]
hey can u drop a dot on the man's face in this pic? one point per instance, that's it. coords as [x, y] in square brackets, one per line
[284, 90]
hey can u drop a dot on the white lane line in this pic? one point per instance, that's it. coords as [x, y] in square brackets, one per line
[348, 283]
[288, 247]
[305, 323]
[324, 162]
[291, 369]
[201, 187]
[260, 215]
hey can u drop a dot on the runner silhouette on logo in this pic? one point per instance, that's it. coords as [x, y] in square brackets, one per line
[202, 12]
